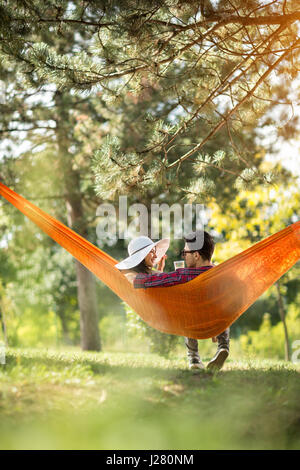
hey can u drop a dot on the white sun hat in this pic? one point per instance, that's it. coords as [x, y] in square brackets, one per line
[139, 248]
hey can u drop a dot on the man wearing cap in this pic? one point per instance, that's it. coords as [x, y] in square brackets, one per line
[197, 252]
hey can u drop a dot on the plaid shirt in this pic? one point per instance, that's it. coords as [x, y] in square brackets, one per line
[180, 276]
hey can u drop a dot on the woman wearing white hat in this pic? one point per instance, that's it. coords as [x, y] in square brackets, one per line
[144, 254]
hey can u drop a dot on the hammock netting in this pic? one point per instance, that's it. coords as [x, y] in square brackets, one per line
[201, 308]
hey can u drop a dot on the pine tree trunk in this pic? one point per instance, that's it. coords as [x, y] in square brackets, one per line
[282, 315]
[86, 286]
[3, 326]
[64, 325]
[90, 339]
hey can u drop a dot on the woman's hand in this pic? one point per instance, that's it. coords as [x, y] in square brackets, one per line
[130, 277]
[161, 264]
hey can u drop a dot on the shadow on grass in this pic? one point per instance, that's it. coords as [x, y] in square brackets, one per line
[256, 404]
[232, 373]
[101, 365]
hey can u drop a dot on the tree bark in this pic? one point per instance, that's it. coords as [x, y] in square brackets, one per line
[3, 326]
[86, 286]
[90, 338]
[64, 325]
[282, 316]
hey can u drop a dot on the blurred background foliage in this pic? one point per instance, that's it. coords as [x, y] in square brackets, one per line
[69, 151]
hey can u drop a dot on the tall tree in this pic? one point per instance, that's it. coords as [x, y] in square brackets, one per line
[213, 59]
[46, 117]
[183, 82]
[87, 298]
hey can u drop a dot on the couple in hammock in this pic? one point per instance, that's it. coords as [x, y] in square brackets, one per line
[139, 269]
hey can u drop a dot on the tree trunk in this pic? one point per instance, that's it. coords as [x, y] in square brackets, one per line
[90, 339]
[86, 286]
[282, 315]
[3, 325]
[64, 325]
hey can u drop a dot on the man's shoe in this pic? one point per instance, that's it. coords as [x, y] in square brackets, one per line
[195, 363]
[218, 360]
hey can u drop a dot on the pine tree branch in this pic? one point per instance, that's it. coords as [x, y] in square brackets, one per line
[221, 169]
[233, 19]
[225, 84]
[93, 77]
[2, 131]
[222, 18]
[233, 110]
[71, 21]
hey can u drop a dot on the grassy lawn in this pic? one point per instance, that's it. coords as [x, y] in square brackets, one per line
[75, 400]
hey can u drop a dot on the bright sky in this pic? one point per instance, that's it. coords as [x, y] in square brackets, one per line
[289, 155]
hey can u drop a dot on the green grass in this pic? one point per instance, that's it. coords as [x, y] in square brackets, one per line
[76, 400]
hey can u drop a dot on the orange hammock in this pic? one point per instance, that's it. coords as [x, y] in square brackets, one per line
[201, 308]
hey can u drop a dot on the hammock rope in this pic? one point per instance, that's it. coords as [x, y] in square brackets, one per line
[201, 308]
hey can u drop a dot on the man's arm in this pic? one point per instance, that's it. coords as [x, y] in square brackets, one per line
[154, 280]
[180, 276]
[173, 278]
